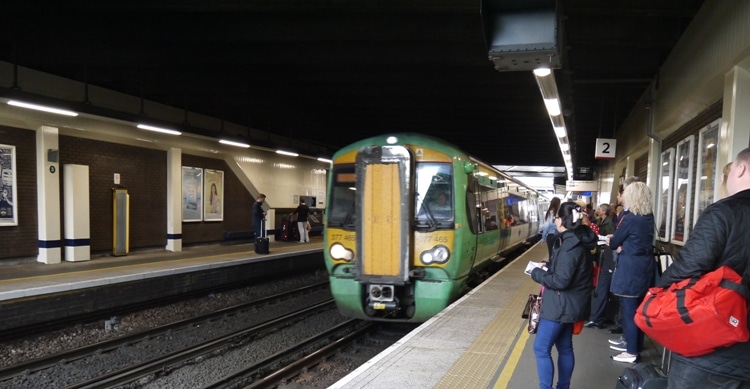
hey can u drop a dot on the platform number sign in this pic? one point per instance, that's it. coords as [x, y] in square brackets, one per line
[605, 148]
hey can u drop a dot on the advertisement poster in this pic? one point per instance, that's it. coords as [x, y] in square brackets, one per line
[214, 190]
[192, 194]
[683, 195]
[706, 189]
[8, 195]
[665, 199]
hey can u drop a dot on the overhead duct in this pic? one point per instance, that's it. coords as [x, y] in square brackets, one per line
[522, 35]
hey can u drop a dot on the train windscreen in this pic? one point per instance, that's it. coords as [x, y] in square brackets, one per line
[434, 195]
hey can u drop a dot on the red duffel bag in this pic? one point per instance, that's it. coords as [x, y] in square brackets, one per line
[695, 316]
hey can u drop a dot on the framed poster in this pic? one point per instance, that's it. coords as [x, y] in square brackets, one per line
[664, 218]
[8, 187]
[192, 194]
[683, 181]
[707, 187]
[213, 187]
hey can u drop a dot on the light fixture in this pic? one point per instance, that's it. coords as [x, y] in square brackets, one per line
[289, 153]
[325, 160]
[553, 106]
[159, 129]
[42, 108]
[233, 143]
[545, 79]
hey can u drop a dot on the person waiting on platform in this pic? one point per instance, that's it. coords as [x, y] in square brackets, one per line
[302, 212]
[634, 270]
[566, 296]
[719, 238]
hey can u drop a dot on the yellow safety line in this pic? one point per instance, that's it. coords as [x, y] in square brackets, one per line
[515, 356]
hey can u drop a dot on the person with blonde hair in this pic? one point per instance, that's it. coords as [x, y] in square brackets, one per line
[634, 272]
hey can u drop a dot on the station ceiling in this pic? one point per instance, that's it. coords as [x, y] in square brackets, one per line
[325, 73]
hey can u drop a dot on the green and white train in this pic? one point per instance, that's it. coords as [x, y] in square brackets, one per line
[395, 249]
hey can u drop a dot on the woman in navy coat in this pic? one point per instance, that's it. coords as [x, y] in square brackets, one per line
[634, 272]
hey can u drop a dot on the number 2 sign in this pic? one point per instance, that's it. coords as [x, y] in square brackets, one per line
[605, 148]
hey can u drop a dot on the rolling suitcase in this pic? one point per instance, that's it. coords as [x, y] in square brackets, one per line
[261, 242]
[641, 376]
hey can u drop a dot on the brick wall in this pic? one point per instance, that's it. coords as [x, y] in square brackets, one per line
[22, 240]
[237, 205]
[142, 171]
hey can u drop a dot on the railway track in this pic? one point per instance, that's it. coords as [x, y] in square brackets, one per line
[152, 352]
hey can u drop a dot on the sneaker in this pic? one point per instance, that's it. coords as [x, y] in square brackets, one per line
[593, 324]
[622, 346]
[625, 357]
[617, 340]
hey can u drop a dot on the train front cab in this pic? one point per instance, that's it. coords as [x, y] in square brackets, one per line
[393, 263]
[395, 255]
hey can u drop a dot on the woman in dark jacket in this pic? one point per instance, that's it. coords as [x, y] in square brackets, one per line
[566, 297]
[634, 271]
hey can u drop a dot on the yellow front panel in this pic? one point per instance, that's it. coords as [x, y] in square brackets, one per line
[382, 220]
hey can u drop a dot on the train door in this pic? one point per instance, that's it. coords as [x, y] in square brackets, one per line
[384, 186]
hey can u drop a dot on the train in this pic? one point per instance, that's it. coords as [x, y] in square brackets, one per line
[411, 220]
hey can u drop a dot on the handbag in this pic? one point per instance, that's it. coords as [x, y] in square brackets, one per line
[534, 313]
[696, 316]
[527, 307]
[535, 310]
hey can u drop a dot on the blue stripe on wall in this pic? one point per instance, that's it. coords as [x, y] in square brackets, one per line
[49, 244]
[77, 242]
[174, 236]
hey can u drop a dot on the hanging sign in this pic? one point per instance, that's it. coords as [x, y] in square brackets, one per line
[605, 148]
[581, 186]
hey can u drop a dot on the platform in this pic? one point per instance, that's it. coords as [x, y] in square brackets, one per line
[481, 341]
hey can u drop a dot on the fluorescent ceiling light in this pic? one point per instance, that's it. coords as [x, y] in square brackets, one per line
[542, 72]
[289, 153]
[158, 129]
[564, 147]
[553, 106]
[42, 108]
[325, 160]
[233, 143]
[560, 131]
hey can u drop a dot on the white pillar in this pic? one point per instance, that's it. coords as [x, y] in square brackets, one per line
[48, 195]
[174, 200]
[77, 215]
[734, 134]
[270, 224]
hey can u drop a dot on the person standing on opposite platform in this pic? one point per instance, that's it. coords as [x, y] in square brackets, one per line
[302, 211]
[258, 214]
[719, 238]
[566, 298]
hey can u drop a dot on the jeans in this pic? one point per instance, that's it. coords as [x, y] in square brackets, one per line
[632, 334]
[303, 235]
[561, 336]
[682, 375]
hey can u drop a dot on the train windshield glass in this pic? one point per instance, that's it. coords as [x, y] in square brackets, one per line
[435, 197]
[341, 212]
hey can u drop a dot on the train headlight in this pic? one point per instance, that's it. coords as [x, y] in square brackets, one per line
[437, 254]
[338, 251]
